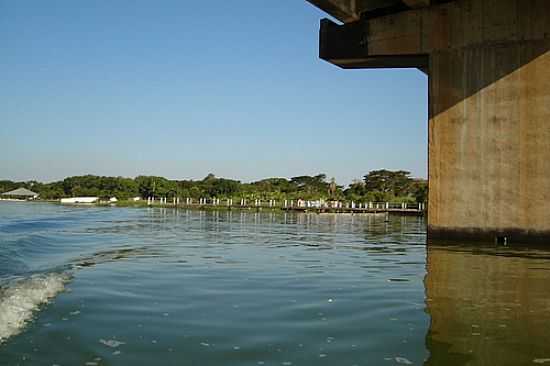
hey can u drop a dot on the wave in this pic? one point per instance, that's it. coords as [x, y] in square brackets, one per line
[20, 299]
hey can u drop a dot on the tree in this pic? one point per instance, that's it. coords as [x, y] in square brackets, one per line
[396, 183]
[311, 186]
[420, 190]
[378, 185]
[356, 191]
[220, 187]
[151, 186]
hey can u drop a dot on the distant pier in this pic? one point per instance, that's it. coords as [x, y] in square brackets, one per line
[320, 206]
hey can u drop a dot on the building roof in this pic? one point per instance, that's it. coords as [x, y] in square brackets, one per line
[22, 192]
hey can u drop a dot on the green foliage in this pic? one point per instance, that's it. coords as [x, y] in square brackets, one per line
[312, 187]
[386, 186]
[220, 187]
[377, 186]
[8, 185]
[397, 183]
[420, 190]
[151, 186]
[103, 187]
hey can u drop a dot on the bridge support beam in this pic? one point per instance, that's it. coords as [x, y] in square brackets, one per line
[488, 63]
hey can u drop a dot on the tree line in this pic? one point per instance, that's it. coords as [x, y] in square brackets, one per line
[376, 186]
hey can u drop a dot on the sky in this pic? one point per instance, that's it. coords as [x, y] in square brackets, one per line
[181, 89]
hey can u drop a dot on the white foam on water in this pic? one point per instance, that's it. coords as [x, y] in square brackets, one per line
[22, 298]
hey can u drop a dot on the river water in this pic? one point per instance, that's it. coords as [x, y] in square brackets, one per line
[115, 286]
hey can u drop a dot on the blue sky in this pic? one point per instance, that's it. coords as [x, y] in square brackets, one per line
[181, 89]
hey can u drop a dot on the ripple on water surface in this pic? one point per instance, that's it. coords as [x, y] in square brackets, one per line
[245, 288]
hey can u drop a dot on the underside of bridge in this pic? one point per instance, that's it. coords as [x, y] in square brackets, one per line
[488, 63]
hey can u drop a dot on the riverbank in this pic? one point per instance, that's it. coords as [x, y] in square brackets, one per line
[373, 208]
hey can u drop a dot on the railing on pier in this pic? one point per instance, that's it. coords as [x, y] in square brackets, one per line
[294, 205]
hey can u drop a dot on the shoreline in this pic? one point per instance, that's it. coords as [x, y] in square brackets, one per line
[206, 207]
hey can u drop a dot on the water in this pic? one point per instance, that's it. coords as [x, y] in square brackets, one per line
[113, 286]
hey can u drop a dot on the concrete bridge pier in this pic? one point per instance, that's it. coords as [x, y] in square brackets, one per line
[488, 64]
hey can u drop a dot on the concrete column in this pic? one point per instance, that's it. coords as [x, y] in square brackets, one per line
[488, 63]
[489, 131]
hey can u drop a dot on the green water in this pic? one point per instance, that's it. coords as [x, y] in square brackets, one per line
[166, 287]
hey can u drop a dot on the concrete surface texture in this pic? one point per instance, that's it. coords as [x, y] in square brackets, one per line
[488, 63]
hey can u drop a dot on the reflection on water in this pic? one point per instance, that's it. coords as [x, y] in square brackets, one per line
[488, 306]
